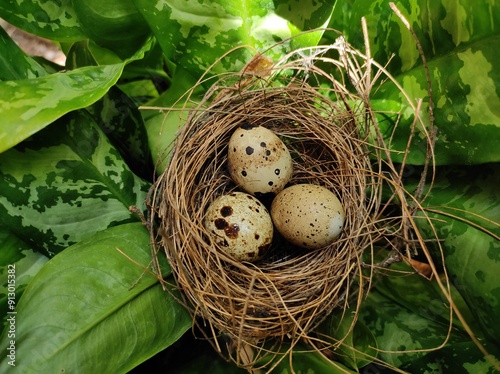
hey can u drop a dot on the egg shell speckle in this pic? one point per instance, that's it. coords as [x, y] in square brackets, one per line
[259, 162]
[241, 225]
[308, 215]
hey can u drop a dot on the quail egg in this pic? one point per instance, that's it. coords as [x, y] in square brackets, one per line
[258, 161]
[308, 215]
[241, 225]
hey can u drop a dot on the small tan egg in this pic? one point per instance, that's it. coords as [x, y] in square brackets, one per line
[258, 161]
[241, 225]
[308, 215]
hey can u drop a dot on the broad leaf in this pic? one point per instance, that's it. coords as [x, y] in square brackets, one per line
[460, 42]
[93, 308]
[114, 24]
[466, 359]
[87, 53]
[358, 347]
[305, 16]
[51, 19]
[116, 114]
[18, 265]
[27, 106]
[424, 297]
[406, 337]
[465, 208]
[14, 63]
[141, 91]
[64, 184]
[466, 106]
[119, 118]
[162, 126]
[442, 27]
[194, 35]
[148, 76]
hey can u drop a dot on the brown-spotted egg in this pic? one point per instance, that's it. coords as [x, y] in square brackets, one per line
[308, 215]
[240, 224]
[258, 161]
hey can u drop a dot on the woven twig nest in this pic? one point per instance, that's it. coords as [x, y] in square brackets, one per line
[286, 294]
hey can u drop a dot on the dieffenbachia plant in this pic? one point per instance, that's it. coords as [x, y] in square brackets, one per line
[76, 152]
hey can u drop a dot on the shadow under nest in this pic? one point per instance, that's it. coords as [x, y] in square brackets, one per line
[250, 310]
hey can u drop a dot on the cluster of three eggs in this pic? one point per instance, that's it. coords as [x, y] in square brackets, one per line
[306, 215]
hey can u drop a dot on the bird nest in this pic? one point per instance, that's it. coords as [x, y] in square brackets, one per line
[250, 310]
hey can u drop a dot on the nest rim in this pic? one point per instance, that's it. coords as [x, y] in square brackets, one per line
[192, 143]
[383, 170]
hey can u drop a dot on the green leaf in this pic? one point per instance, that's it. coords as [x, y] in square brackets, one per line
[305, 16]
[29, 105]
[466, 106]
[442, 27]
[87, 53]
[141, 91]
[424, 297]
[114, 24]
[465, 208]
[51, 19]
[163, 126]
[93, 309]
[162, 129]
[153, 69]
[461, 43]
[14, 63]
[64, 184]
[358, 347]
[194, 35]
[80, 55]
[18, 265]
[340, 19]
[407, 336]
[119, 118]
[457, 358]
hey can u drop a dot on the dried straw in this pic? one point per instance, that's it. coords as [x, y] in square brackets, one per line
[328, 131]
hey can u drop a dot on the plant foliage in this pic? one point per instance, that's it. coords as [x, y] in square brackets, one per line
[76, 152]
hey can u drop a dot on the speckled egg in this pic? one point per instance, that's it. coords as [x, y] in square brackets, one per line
[241, 225]
[258, 161]
[308, 215]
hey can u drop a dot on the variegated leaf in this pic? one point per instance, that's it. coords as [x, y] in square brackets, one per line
[116, 24]
[94, 308]
[14, 63]
[358, 347]
[195, 35]
[118, 116]
[51, 19]
[306, 360]
[28, 105]
[442, 27]
[466, 107]
[465, 207]
[64, 184]
[18, 265]
[461, 45]
[410, 338]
